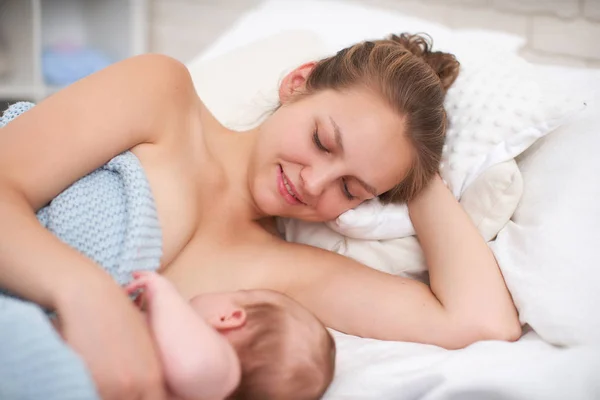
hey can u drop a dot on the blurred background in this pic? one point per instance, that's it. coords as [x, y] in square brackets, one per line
[47, 44]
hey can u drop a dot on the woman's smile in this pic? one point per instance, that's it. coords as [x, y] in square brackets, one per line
[287, 189]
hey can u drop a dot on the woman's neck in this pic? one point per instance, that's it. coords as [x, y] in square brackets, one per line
[231, 151]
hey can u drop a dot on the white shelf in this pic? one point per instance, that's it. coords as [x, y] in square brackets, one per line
[16, 91]
[116, 29]
[16, 29]
[19, 80]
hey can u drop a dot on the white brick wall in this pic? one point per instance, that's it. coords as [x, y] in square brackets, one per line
[182, 28]
[577, 37]
[591, 9]
[478, 17]
[561, 8]
[557, 31]
[431, 10]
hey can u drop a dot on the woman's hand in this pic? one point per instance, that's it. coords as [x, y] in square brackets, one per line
[103, 326]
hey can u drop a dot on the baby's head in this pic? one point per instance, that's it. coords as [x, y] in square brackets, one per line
[285, 352]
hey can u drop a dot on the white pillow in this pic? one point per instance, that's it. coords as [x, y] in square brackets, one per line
[492, 198]
[548, 253]
[497, 108]
[241, 86]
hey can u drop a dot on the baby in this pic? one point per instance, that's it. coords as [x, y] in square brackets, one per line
[255, 344]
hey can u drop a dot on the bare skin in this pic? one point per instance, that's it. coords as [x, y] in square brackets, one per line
[215, 191]
[198, 362]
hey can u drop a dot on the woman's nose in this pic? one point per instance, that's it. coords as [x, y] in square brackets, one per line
[315, 180]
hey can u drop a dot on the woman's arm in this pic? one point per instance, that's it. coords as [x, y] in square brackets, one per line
[467, 302]
[62, 139]
[463, 273]
[41, 153]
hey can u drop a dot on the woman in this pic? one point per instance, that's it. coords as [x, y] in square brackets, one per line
[366, 122]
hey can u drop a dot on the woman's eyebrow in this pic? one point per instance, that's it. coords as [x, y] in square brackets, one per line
[337, 133]
[338, 139]
[367, 187]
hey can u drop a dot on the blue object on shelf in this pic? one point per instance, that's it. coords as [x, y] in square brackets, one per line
[63, 66]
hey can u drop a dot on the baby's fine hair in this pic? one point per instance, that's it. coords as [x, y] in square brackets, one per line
[279, 362]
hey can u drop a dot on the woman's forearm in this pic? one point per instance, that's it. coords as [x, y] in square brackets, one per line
[464, 275]
[34, 264]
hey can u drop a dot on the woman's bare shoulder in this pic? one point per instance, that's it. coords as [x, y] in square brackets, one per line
[162, 81]
[132, 102]
[159, 70]
[143, 85]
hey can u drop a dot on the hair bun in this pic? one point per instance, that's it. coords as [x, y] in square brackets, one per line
[445, 65]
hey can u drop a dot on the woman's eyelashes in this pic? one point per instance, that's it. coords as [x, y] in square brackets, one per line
[321, 147]
[346, 192]
[318, 143]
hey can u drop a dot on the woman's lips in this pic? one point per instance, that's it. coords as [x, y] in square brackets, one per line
[288, 191]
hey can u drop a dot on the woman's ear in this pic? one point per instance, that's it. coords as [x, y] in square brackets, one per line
[229, 318]
[294, 81]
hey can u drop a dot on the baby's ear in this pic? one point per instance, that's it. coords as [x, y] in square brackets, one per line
[232, 318]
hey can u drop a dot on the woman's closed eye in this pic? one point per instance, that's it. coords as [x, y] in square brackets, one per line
[321, 147]
[318, 143]
[346, 191]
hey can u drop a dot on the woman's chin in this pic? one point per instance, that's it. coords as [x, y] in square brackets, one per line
[273, 205]
[310, 218]
[270, 208]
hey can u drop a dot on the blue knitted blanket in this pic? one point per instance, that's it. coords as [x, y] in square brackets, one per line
[109, 215]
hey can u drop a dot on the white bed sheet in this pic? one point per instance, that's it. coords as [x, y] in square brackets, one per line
[528, 369]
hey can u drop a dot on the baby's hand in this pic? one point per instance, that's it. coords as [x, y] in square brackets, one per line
[151, 283]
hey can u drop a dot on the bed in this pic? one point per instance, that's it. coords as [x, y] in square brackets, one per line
[543, 232]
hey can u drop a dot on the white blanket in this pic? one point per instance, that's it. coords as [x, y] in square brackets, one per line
[529, 369]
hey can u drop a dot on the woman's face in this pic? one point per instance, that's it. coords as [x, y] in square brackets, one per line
[321, 155]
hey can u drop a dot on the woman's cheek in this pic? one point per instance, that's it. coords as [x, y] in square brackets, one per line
[332, 209]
